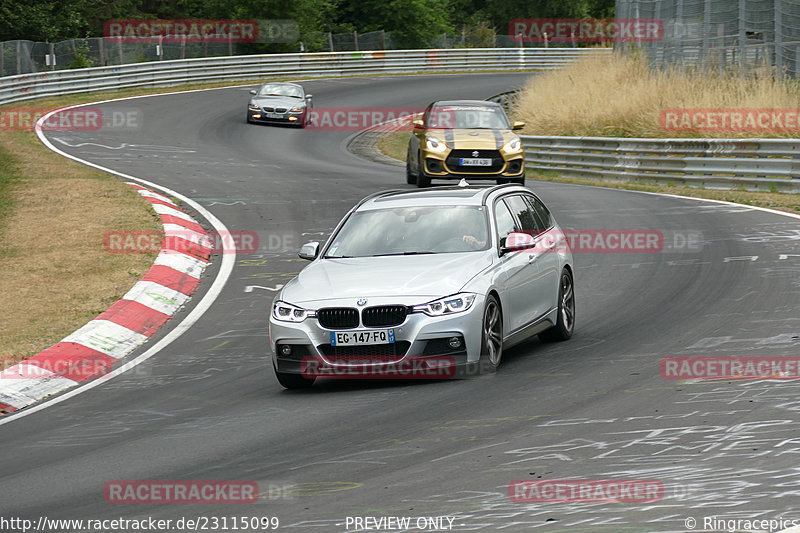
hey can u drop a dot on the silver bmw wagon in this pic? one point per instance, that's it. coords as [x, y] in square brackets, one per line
[419, 283]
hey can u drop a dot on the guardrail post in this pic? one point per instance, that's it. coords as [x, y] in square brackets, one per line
[183, 46]
[706, 30]
[119, 48]
[19, 58]
[742, 36]
[778, 38]
[102, 50]
[355, 40]
[2, 60]
[52, 59]
[330, 41]
[679, 22]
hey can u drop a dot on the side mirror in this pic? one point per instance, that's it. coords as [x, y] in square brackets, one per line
[309, 251]
[517, 125]
[516, 241]
[253, 92]
[418, 125]
[308, 97]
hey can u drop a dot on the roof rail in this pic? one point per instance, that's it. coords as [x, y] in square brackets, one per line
[378, 195]
[496, 187]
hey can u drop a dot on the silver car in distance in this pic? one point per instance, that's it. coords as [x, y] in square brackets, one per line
[416, 283]
[279, 103]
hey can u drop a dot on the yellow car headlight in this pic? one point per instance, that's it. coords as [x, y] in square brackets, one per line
[435, 145]
[514, 145]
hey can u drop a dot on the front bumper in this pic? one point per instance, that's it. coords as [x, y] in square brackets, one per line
[293, 118]
[419, 337]
[445, 165]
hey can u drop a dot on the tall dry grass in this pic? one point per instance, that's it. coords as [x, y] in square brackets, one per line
[620, 96]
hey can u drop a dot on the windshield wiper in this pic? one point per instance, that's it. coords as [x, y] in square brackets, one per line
[403, 253]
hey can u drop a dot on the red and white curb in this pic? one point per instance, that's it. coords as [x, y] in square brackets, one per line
[92, 351]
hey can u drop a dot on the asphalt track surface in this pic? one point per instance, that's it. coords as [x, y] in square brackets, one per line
[595, 407]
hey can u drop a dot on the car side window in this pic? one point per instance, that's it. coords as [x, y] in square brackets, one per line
[541, 211]
[504, 221]
[528, 221]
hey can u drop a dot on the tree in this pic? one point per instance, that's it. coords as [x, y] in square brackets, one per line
[414, 23]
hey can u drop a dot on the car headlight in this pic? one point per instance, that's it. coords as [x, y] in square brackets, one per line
[457, 303]
[253, 107]
[514, 145]
[435, 145]
[286, 312]
[298, 109]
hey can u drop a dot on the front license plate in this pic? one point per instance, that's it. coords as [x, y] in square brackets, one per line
[273, 115]
[362, 338]
[474, 162]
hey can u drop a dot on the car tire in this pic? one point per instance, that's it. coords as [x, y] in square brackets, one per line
[519, 181]
[248, 120]
[422, 180]
[491, 335]
[501, 181]
[565, 324]
[293, 381]
[411, 179]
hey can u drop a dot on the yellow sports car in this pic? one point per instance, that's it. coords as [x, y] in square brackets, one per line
[465, 139]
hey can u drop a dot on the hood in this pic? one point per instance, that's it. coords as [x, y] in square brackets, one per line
[426, 276]
[278, 101]
[474, 139]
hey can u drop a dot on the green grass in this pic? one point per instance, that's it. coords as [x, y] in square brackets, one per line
[8, 176]
[395, 145]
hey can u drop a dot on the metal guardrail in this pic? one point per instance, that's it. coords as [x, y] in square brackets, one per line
[755, 164]
[185, 71]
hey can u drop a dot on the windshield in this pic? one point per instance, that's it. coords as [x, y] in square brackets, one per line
[280, 90]
[472, 117]
[411, 231]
